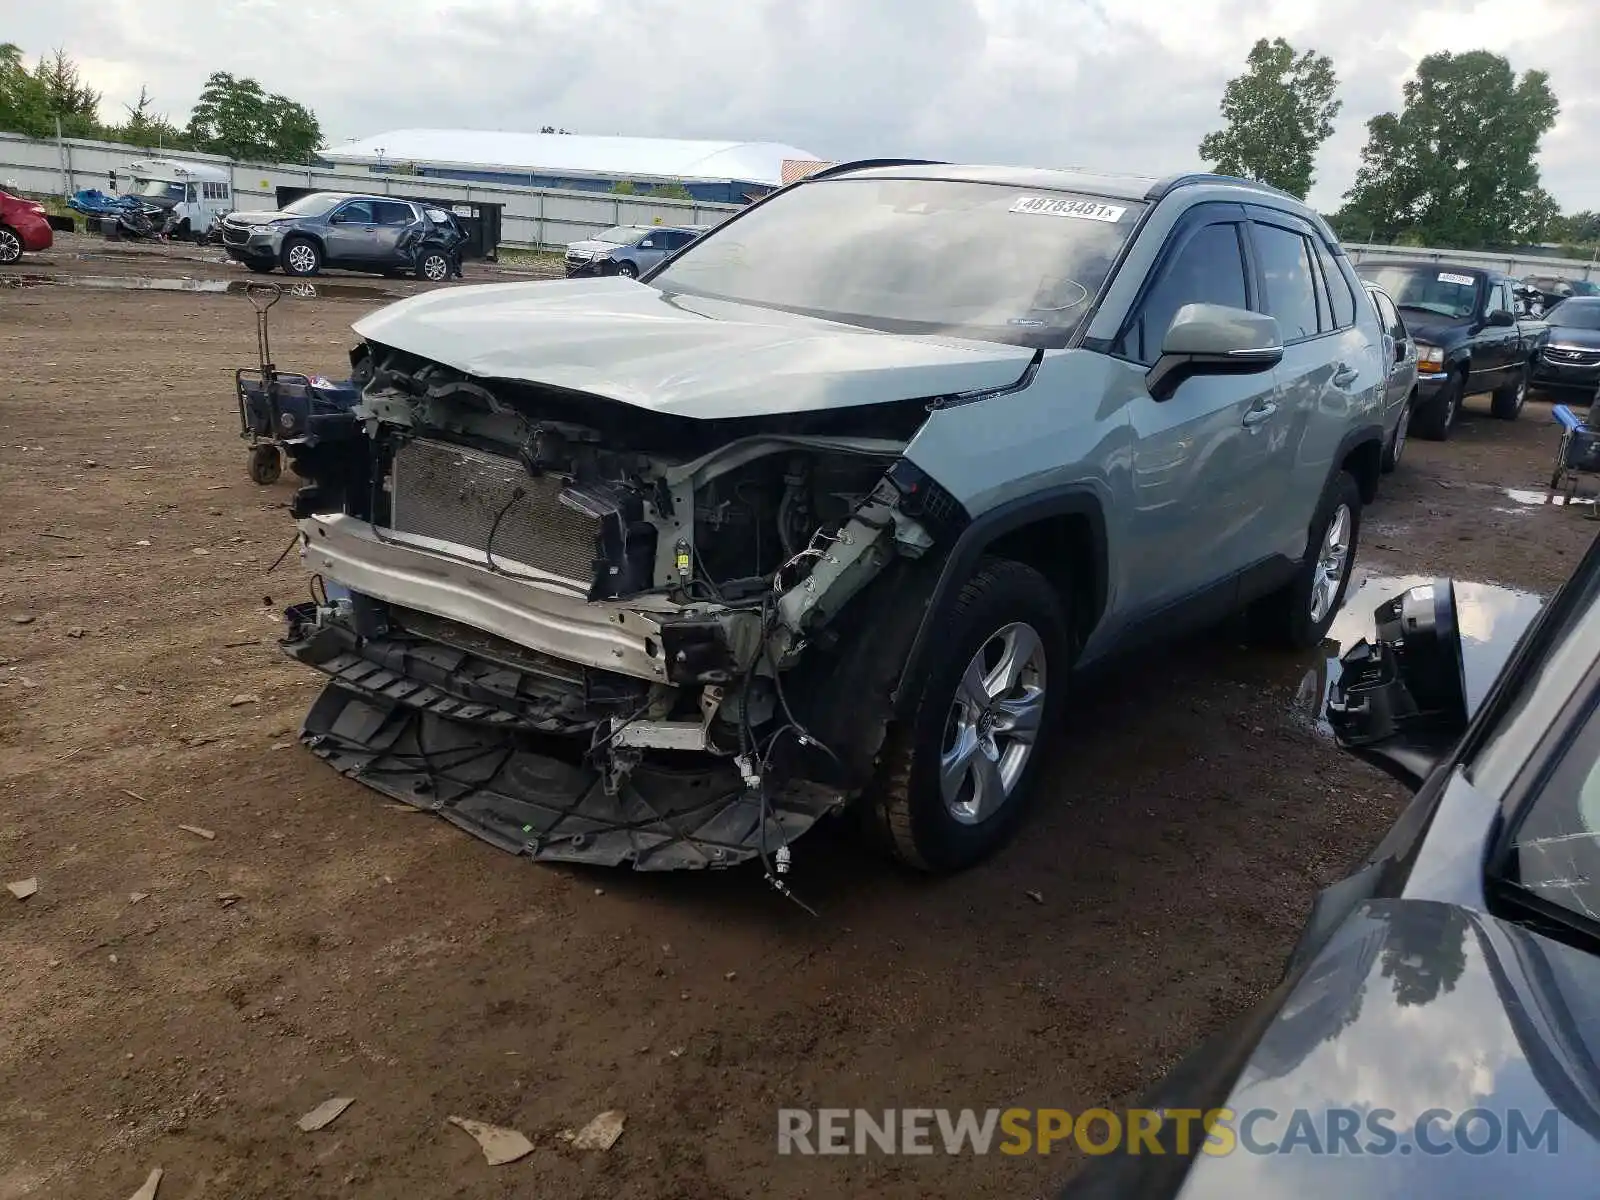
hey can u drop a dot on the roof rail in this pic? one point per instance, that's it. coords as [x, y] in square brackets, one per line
[1173, 182]
[862, 164]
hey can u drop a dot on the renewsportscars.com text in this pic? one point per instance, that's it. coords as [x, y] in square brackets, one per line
[1217, 1131]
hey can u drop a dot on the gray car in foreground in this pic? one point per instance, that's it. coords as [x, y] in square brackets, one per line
[377, 234]
[1437, 1029]
[829, 511]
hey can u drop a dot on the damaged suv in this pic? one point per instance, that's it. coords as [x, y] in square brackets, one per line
[829, 510]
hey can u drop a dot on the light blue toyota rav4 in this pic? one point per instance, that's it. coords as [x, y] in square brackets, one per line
[828, 511]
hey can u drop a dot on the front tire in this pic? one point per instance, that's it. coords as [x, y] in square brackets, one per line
[10, 246]
[1505, 404]
[266, 465]
[1437, 420]
[1297, 615]
[301, 257]
[627, 270]
[956, 778]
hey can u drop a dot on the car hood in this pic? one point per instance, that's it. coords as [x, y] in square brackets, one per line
[681, 355]
[593, 247]
[1414, 1005]
[1567, 335]
[1434, 329]
[259, 218]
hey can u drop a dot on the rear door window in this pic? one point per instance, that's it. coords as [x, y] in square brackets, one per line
[1342, 299]
[1289, 281]
[392, 212]
[1207, 269]
[1390, 316]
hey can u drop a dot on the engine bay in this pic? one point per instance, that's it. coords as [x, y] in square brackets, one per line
[622, 586]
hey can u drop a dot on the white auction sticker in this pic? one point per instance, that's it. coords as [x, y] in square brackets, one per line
[1451, 277]
[1055, 206]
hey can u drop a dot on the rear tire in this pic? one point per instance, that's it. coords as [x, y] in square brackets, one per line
[433, 266]
[1397, 440]
[989, 693]
[1297, 615]
[1507, 400]
[1436, 420]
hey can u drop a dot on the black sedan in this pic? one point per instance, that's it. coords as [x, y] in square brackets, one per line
[1570, 361]
[1437, 1030]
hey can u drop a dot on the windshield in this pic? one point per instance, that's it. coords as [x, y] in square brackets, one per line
[159, 189]
[1575, 314]
[314, 205]
[621, 235]
[975, 260]
[1438, 290]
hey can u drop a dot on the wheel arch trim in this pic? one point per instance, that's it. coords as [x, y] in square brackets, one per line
[984, 530]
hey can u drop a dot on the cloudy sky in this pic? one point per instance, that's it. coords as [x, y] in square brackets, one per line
[1086, 83]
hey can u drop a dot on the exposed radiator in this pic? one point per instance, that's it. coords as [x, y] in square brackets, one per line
[455, 493]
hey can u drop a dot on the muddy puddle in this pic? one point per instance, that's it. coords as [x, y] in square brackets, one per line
[299, 290]
[1491, 619]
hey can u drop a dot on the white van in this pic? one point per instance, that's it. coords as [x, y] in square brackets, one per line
[197, 194]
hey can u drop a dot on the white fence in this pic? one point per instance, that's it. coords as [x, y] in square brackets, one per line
[1515, 265]
[531, 217]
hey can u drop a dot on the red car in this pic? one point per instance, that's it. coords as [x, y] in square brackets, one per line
[23, 226]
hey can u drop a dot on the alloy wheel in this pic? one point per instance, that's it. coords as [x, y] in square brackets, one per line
[435, 268]
[1331, 564]
[10, 246]
[302, 259]
[993, 723]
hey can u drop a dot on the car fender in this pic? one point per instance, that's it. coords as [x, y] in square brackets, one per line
[983, 532]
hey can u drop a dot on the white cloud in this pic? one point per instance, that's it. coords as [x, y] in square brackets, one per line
[1047, 82]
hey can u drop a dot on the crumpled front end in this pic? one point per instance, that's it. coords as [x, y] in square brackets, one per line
[585, 631]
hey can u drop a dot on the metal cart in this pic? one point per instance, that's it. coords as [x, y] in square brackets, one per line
[282, 411]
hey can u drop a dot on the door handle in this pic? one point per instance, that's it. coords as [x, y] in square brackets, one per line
[1344, 376]
[1257, 415]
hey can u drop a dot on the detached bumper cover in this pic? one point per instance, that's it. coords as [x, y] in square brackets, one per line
[520, 793]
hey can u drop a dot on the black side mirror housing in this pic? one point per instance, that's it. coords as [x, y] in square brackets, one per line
[1500, 319]
[1400, 702]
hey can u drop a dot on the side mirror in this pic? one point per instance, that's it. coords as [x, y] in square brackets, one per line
[1213, 339]
[1401, 700]
[1500, 319]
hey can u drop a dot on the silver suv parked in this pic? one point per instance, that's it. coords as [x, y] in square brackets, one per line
[336, 229]
[832, 510]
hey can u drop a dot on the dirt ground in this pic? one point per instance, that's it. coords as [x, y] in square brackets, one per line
[178, 1000]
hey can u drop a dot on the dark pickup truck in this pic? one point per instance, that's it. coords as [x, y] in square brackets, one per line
[1469, 336]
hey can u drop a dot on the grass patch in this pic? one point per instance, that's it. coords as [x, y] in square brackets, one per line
[529, 256]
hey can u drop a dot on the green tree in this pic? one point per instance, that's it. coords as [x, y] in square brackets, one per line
[1278, 113]
[24, 103]
[624, 187]
[1456, 167]
[1575, 228]
[67, 96]
[146, 127]
[671, 191]
[237, 118]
